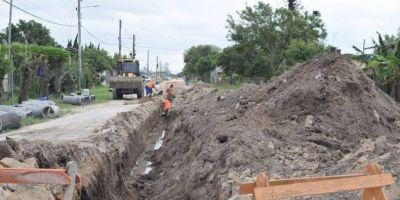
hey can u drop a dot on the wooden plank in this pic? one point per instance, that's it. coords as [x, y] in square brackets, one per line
[34, 176]
[322, 187]
[247, 188]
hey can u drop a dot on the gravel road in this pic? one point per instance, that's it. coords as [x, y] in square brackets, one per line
[78, 125]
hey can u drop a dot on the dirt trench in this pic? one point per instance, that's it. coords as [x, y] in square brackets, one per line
[105, 160]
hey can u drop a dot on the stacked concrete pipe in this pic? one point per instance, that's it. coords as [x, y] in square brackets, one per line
[78, 99]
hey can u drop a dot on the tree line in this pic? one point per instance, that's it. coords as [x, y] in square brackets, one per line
[42, 67]
[266, 41]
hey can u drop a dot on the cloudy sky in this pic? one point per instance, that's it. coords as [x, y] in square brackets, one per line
[167, 27]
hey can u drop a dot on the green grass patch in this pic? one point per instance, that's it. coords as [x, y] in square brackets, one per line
[227, 87]
[8, 102]
[32, 120]
[102, 94]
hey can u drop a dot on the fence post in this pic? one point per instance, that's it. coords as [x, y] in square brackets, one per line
[72, 168]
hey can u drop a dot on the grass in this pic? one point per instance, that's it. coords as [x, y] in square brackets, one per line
[102, 94]
[32, 120]
[8, 101]
[227, 87]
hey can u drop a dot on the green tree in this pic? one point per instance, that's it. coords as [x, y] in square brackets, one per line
[300, 51]
[95, 61]
[35, 33]
[231, 61]
[264, 35]
[4, 68]
[49, 58]
[200, 60]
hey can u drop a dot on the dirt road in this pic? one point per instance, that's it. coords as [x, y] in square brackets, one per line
[79, 125]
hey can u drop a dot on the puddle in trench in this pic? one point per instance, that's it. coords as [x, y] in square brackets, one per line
[143, 166]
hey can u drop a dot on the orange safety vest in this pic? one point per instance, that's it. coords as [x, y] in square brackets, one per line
[150, 84]
[166, 104]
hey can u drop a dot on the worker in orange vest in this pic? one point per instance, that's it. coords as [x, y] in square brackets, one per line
[166, 105]
[150, 87]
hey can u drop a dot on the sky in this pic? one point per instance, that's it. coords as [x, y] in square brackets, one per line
[168, 27]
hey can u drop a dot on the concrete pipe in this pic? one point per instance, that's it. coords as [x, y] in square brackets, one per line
[74, 100]
[53, 111]
[38, 110]
[9, 120]
[22, 112]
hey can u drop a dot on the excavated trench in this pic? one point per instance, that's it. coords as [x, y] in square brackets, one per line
[114, 156]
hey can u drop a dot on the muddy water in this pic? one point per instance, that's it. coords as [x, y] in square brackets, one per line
[154, 142]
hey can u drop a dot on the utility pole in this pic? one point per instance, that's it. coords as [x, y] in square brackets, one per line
[156, 69]
[364, 46]
[11, 75]
[133, 47]
[79, 46]
[148, 54]
[119, 40]
[161, 71]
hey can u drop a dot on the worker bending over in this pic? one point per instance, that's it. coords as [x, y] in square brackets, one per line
[150, 87]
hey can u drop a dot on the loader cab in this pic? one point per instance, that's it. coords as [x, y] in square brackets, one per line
[128, 68]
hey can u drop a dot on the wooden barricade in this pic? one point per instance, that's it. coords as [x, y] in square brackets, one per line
[67, 177]
[371, 183]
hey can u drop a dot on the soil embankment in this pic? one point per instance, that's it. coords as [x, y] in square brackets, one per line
[323, 117]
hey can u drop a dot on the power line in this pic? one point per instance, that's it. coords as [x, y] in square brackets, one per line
[101, 41]
[114, 44]
[33, 15]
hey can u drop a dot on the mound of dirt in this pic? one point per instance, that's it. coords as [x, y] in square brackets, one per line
[323, 117]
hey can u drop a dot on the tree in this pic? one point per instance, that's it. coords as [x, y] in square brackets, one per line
[200, 60]
[231, 61]
[49, 59]
[264, 34]
[300, 51]
[95, 61]
[35, 33]
[4, 68]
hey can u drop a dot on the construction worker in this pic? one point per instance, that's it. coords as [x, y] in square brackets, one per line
[170, 96]
[165, 105]
[187, 81]
[150, 87]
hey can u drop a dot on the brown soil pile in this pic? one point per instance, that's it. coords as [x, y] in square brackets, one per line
[323, 117]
